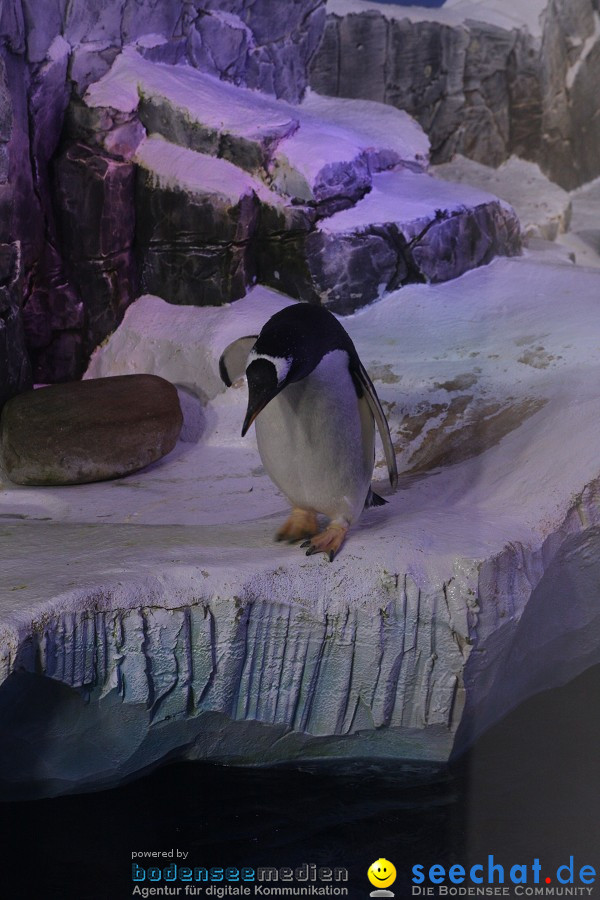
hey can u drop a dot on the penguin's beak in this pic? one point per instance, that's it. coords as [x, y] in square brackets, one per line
[255, 406]
[262, 387]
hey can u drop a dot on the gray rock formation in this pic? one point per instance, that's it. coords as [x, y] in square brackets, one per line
[234, 187]
[88, 430]
[473, 87]
[482, 82]
[408, 228]
[15, 369]
[570, 74]
[96, 225]
[193, 233]
[50, 48]
[261, 45]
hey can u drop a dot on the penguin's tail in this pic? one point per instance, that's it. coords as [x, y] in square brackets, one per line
[374, 499]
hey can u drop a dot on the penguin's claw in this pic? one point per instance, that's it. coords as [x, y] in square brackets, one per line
[301, 524]
[328, 542]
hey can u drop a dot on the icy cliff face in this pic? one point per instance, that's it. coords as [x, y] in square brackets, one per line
[155, 616]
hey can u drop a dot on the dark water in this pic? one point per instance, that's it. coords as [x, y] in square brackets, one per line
[530, 788]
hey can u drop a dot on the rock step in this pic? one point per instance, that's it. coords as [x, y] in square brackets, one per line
[198, 217]
[312, 153]
[409, 227]
[208, 230]
[544, 208]
[89, 430]
[230, 186]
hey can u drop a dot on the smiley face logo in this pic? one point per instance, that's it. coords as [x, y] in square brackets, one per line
[382, 873]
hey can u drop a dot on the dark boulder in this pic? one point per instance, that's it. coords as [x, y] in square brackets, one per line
[89, 430]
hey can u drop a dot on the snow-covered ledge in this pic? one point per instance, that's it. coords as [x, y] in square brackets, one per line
[167, 622]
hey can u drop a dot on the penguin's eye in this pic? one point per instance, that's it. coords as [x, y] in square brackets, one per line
[281, 364]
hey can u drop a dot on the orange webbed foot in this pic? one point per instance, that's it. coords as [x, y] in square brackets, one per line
[301, 524]
[328, 541]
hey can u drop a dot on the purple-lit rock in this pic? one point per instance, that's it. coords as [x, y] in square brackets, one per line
[53, 321]
[260, 44]
[50, 47]
[409, 227]
[15, 369]
[5, 123]
[195, 217]
[26, 216]
[48, 100]
[96, 216]
[89, 430]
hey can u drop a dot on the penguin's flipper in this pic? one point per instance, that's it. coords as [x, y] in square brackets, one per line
[361, 375]
[234, 359]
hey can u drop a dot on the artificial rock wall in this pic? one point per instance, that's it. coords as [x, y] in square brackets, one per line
[50, 50]
[478, 89]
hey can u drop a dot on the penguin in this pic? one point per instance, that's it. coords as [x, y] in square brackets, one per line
[314, 408]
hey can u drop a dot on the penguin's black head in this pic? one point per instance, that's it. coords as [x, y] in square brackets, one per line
[263, 385]
[291, 344]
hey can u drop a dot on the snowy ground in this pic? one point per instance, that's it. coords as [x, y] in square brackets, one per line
[163, 592]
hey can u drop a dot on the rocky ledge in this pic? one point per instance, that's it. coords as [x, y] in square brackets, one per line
[205, 188]
[154, 617]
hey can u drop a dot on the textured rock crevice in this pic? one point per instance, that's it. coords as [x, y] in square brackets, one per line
[484, 89]
[48, 50]
[14, 362]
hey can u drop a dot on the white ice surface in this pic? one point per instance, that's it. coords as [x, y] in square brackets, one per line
[213, 102]
[375, 125]
[523, 330]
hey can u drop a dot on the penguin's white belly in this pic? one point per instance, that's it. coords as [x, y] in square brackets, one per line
[316, 440]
